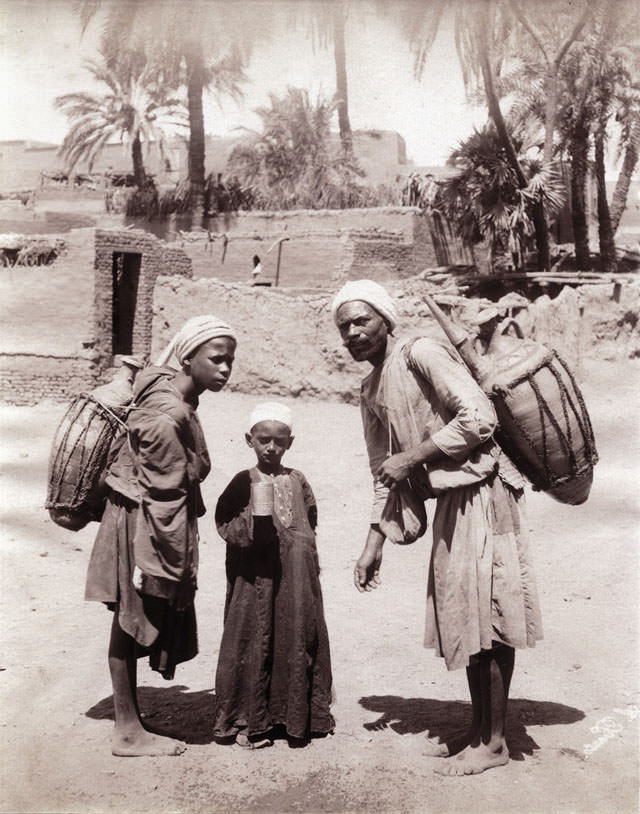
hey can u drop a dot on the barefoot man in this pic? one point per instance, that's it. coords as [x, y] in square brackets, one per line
[428, 429]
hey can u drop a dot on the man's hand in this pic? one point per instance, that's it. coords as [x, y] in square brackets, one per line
[366, 574]
[395, 469]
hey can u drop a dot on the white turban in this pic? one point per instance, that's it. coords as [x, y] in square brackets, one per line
[195, 332]
[271, 411]
[371, 293]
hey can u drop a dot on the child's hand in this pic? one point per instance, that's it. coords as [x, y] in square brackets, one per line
[137, 578]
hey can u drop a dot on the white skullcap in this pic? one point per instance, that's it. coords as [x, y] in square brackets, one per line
[195, 332]
[370, 292]
[271, 411]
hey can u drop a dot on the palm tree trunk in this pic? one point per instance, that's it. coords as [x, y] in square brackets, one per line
[139, 174]
[608, 259]
[551, 106]
[539, 219]
[342, 95]
[578, 152]
[195, 87]
[629, 162]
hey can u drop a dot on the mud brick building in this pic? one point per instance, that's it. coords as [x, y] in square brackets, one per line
[66, 322]
[127, 264]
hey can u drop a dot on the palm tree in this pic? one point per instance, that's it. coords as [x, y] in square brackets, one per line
[485, 199]
[630, 120]
[291, 163]
[608, 71]
[205, 45]
[553, 41]
[326, 21]
[135, 109]
[627, 115]
[596, 79]
[482, 31]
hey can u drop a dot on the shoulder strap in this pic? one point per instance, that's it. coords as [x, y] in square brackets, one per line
[137, 398]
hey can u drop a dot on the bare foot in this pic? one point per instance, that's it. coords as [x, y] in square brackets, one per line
[438, 747]
[261, 742]
[435, 747]
[145, 744]
[473, 760]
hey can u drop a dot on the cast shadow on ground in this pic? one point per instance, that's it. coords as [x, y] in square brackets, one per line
[174, 712]
[449, 719]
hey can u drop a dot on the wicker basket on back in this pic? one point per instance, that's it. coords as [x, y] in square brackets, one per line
[81, 447]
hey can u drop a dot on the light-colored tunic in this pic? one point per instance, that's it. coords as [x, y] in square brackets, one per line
[481, 586]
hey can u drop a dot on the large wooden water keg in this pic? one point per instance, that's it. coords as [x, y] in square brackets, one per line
[544, 426]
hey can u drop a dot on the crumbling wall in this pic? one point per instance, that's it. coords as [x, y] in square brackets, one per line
[609, 320]
[288, 344]
[29, 378]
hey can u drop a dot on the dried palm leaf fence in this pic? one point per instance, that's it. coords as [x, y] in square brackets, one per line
[459, 258]
[449, 248]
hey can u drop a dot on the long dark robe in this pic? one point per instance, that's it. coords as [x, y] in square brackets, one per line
[274, 666]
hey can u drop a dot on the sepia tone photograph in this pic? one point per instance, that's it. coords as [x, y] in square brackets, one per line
[319, 397]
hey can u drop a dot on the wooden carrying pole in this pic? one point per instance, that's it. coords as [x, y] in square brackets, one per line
[459, 338]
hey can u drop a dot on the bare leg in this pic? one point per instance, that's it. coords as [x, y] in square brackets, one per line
[489, 683]
[130, 738]
[437, 747]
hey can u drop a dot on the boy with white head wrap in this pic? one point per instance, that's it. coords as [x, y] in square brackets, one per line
[271, 411]
[145, 557]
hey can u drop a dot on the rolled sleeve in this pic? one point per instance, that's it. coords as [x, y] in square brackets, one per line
[473, 417]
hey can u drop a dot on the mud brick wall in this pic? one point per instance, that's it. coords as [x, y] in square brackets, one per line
[323, 248]
[176, 262]
[156, 258]
[288, 344]
[29, 379]
[287, 341]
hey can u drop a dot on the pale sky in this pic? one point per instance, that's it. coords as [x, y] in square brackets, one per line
[42, 55]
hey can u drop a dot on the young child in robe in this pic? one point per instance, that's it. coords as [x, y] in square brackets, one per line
[274, 666]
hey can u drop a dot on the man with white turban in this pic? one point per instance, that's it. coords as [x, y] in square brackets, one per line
[428, 429]
[145, 557]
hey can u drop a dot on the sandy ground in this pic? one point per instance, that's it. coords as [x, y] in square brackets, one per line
[575, 711]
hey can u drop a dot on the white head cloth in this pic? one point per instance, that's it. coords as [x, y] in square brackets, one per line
[370, 292]
[271, 411]
[195, 332]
